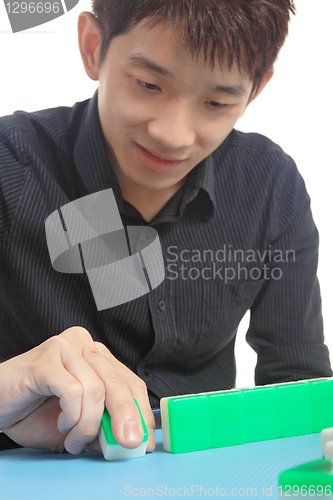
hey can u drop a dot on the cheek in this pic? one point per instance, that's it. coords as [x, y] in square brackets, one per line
[214, 136]
[118, 107]
[213, 133]
[117, 119]
[129, 114]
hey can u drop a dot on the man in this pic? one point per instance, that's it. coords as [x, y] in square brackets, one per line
[231, 211]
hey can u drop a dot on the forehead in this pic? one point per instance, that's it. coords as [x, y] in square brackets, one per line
[163, 45]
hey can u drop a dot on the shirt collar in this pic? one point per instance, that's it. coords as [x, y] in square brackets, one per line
[90, 154]
[202, 177]
[96, 172]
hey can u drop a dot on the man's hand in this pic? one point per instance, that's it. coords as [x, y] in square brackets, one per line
[53, 396]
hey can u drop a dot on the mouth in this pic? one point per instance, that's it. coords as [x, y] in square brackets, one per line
[155, 162]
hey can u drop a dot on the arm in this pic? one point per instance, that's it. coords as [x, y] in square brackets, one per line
[53, 396]
[286, 327]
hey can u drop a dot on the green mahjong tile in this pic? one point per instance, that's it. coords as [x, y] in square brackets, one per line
[261, 414]
[322, 403]
[312, 478]
[295, 409]
[189, 423]
[227, 418]
[106, 426]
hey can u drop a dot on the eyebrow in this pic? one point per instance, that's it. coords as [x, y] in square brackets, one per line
[236, 90]
[144, 62]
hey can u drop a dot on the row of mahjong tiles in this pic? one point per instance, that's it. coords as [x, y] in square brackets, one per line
[242, 416]
[196, 422]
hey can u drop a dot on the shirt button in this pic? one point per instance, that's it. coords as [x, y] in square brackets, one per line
[161, 305]
[147, 371]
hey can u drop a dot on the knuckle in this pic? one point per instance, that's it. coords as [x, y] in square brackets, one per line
[138, 384]
[51, 347]
[56, 342]
[97, 391]
[78, 332]
[82, 333]
[75, 390]
[112, 379]
[97, 349]
[128, 410]
[101, 349]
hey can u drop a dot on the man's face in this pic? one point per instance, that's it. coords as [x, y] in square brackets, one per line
[161, 111]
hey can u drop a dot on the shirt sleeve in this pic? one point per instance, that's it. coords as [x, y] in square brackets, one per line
[286, 326]
[13, 173]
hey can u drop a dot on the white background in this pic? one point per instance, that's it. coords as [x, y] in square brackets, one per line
[41, 68]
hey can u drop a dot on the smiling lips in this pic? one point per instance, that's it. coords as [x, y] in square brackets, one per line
[155, 163]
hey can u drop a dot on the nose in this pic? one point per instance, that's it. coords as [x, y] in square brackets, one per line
[173, 127]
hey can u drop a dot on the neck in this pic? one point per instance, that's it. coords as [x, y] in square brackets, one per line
[149, 202]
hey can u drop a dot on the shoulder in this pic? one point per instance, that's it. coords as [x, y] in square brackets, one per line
[252, 149]
[259, 174]
[38, 142]
[34, 148]
[22, 131]
[256, 159]
[251, 142]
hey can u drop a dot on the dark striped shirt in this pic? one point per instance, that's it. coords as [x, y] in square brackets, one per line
[238, 235]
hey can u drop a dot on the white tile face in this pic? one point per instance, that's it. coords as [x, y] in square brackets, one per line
[328, 450]
[117, 452]
[165, 424]
[326, 435]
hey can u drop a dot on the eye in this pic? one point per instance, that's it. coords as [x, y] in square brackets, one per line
[217, 104]
[148, 86]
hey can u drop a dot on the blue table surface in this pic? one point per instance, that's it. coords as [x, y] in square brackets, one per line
[249, 470]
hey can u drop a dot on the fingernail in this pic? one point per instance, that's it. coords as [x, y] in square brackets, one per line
[132, 431]
[151, 441]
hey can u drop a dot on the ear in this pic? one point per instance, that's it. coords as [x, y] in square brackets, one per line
[89, 43]
[266, 78]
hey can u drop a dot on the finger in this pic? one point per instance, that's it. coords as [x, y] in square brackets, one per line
[56, 380]
[80, 390]
[81, 340]
[92, 403]
[74, 338]
[39, 374]
[77, 337]
[139, 391]
[125, 418]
